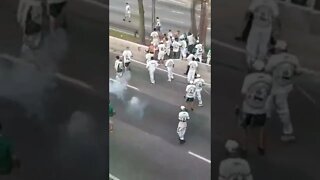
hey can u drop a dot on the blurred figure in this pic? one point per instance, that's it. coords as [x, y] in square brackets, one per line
[190, 95]
[193, 65]
[170, 35]
[234, 167]
[168, 46]
[7, 159]
[29, 16]
[155, 37]
[111, 115]
[148, 55]
[199, 51]
[118, 65]
[127, 55]
[170, 65]
[255, 112]
[161, 52]
[151, 66]
[158, 24]
[127, 15]
[283, 67]
[182, 125]
[199, 83]
[264, 13]
[176, 48]
[56, 13]
[209, 57]
[183, 49]
[191, 42]
[190, 57]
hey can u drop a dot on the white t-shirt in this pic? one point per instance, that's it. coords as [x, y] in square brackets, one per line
[282, 67]
[161, 48]
[189, 58]
[199, 48]
[127, 54]
[169, 63]
[128, 9]
[168, 44]
[152, 65]
[176, 45]
[234, 169]
[183, 44]
[193, 65]
[199, 83]
[170, 35]
[191, 39]
[183, 116]
[256, 88]
[154, 35]
[118, 64]
[158, 22]
[148, 56]
[263, 12]
[191, 91]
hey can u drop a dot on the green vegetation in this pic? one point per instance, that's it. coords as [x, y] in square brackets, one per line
[123, 36]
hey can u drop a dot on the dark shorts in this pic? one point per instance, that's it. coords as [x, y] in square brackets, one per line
[189, 99]
[55, 9]
[253, 120]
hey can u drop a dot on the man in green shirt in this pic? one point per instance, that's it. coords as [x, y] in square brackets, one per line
[111, 114]
[6, 155]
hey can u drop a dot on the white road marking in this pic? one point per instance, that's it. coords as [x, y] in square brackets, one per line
[200, 157]
[136, 61]
[173, 1]
[74, 81]
[113, 177]
[178, 12]
[307, 95]
[96, 3]
[132, 87]
[226, 45]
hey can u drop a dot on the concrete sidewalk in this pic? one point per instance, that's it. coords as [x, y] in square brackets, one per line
[117, 45]
[300, 28]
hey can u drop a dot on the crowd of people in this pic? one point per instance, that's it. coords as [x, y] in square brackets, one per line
[270, 78]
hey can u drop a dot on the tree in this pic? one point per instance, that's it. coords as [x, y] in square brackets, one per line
[193, 17]
[203, 22]
[141, 23]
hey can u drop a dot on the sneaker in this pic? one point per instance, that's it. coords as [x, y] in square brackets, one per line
[200, 105]
[169, 80]
[288, 138]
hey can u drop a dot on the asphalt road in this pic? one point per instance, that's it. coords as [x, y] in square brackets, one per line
[148, 147]
[172, 17]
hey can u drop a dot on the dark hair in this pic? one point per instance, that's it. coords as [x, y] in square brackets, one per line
[157, 17]
[169, 30]
[117, 57]
[152, 58]
[154, 29]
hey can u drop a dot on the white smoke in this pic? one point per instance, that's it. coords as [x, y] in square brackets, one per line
[26, 84]
[119, 86]
[135, 108]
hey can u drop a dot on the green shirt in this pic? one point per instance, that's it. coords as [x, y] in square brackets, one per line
[5, 156]
[111, 111]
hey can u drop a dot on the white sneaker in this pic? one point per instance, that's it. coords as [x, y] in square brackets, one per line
[169, 80]
[200, 105]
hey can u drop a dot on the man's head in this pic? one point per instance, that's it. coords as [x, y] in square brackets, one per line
[157, 17]
[258, 66]
[193, 58]
[127, 3]
[280, 47]
[127, 48]
[232, 147]
[117, 57]
[169, 30]
[152, 58]
[198, 76]
[189, 33]
[154, 29]
[182, 108]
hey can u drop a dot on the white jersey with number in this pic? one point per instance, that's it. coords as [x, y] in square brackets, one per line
[162, 48]
[152, 65]
[176, 45]
[183, 116]
[282, 67]
[264, 11]
[256, 88]
[199, 83]
[193, 65]
[169, 63]
[234, 169]
[127, 54]
[191, 91]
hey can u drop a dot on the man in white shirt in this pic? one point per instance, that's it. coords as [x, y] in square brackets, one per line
[151, 66]
[193, 65]
[182, 125]
[191, 42]
[127, 15]
[148, 55]
[170, 65]
[127, 55]
[190, 57]
[155, 37]
[284, 67]
[168, 46]
[264, 14]
[161, 52]
[199, 83]
[119, 67]
[183, 49]
[158, 24]
[234, 167]
[190, 95]
[209, 56]
[255, 111]
[55, 12]
[170, 35]
[175, 49]
[199, 52]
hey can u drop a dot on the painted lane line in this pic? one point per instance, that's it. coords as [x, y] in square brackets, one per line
[182, 76]
[226, 45]
[307, 95]
[173, 1]
[113, 177]
[200, 157]
[132, 87]
[96, 3]
[178, 12]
